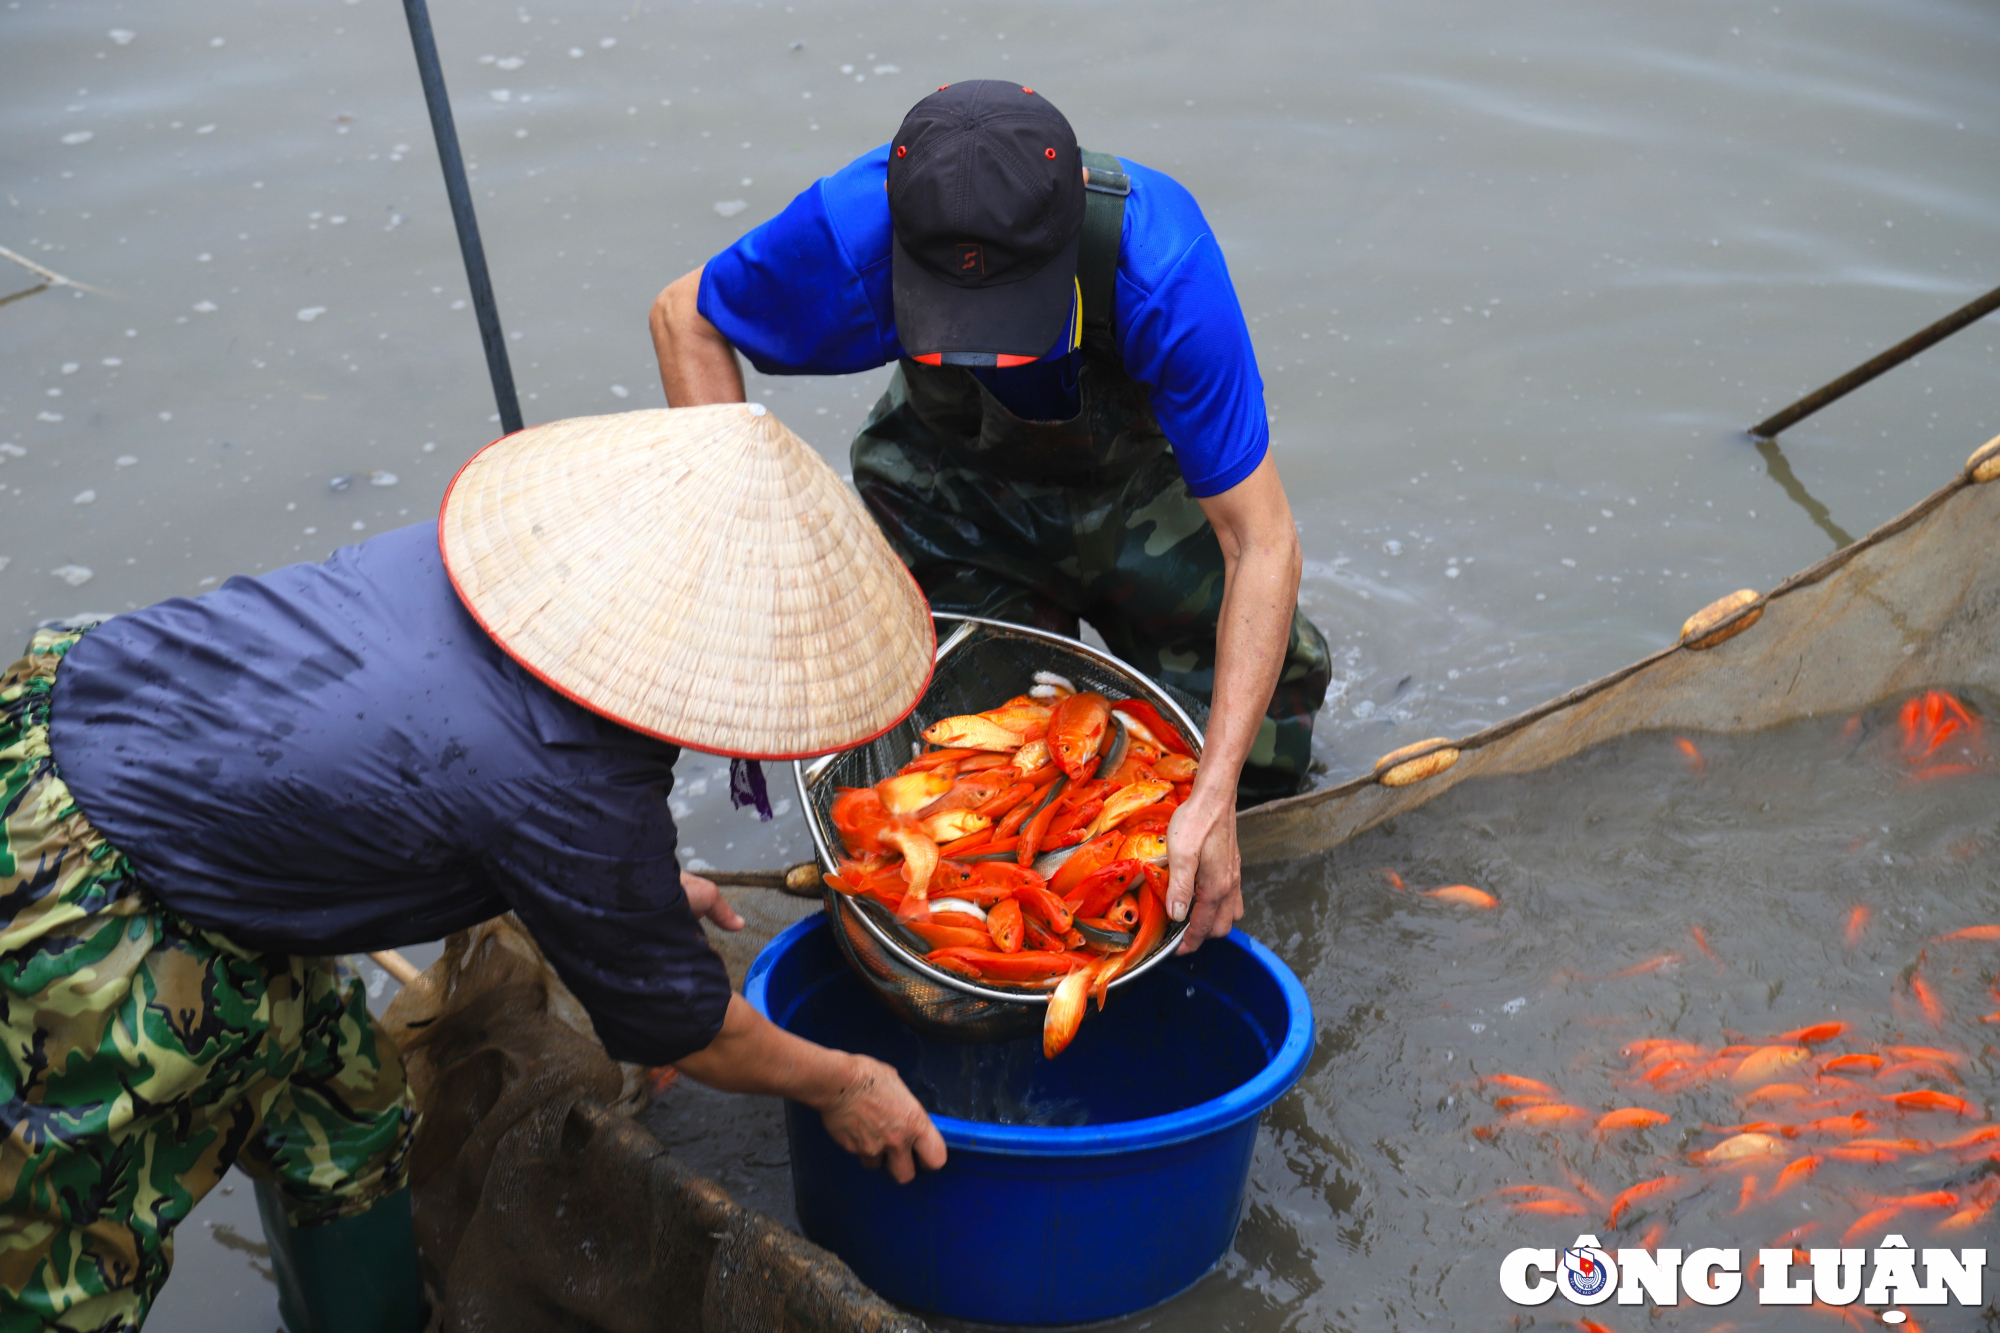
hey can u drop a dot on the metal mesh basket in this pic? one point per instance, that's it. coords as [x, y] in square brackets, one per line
[980, 664]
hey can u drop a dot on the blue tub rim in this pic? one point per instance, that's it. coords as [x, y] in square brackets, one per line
[1240, 1103]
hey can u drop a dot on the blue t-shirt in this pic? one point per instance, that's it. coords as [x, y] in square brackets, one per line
[333, 758]
[807, 293]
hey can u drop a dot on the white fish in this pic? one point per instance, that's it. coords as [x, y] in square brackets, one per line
[958, 905]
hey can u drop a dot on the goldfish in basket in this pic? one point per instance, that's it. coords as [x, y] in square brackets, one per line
[1027, 850]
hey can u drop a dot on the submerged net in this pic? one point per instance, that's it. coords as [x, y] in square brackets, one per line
[540, 1205]
[1915, 603]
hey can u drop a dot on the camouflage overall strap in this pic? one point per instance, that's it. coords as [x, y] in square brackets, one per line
[1103, 230]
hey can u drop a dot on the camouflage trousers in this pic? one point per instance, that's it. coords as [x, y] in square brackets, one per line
[145, 1056]
[1132, 553]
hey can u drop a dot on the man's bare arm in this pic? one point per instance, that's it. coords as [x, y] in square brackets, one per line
[866, 1107]
[697, 364]
[1260, 591]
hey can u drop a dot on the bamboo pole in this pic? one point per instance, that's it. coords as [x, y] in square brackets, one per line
[460, 195]
[800, 881]
[397, 966]
[1971, 313]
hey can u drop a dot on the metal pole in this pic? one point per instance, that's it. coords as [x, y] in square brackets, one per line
[460, 195]
[1889, 360]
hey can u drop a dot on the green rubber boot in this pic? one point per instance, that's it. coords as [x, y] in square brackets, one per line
[357, 1275]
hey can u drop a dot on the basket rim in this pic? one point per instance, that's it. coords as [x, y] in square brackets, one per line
[1285, 1062]
[970, 629]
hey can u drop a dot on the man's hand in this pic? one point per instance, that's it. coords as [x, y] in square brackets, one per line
[1260, 592]
[867, 1109]
[705, 900]
[874, 1117]
[1203, 865]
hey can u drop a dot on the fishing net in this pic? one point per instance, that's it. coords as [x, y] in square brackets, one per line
[980, 665]
[1914, 604]
[541, 1205]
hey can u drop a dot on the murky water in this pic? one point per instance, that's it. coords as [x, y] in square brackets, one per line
[1518, 277]
[1717, 910]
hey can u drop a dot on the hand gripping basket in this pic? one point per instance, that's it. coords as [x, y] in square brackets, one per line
[980, 665]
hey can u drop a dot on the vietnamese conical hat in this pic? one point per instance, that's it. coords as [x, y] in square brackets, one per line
[698, 574]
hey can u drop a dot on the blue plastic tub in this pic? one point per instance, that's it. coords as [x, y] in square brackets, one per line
[1077, 1189]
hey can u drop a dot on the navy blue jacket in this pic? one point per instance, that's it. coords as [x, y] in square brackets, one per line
[333, 758]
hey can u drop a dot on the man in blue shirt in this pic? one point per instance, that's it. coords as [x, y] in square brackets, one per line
[1075, 428]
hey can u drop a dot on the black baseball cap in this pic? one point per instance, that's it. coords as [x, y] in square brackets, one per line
[986, 209]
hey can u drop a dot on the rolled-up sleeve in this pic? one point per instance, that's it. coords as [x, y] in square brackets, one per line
[591, 871]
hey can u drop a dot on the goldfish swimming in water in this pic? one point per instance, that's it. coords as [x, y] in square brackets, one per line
[1982, 934]
[1930, 1053]
[1464, 895]
[1688, 751]
[1985, 1134]
[1793, 1173]
[1852, 1126]
[1812, 1035]
[1927, 999]
[1777, 1093]
[1924, 1099]
[1919, 1069]
[1766, 1062]
[1645, 1189]
[1927, 1199]
[1631, 1117]
[1546, 1115]
[1875, 1151]
[1870, 1224]
[1519, 1084]
[1857, 924]
[1975, 1211]
[1739, 1147]
[1650, 965]
[1551, 1208]
[1932, 721]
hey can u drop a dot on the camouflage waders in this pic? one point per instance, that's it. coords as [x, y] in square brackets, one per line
[1043, 522]
[144, 1056]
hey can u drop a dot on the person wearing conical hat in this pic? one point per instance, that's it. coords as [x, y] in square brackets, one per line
[210, 798]
[1075, 428]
